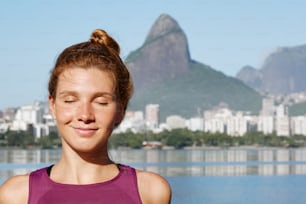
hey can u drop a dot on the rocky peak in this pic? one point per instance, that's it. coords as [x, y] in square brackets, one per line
[162, 26]
[251, 77]
[163, 56]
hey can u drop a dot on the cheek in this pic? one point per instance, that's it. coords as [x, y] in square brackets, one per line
[107, 117]
[63, 115]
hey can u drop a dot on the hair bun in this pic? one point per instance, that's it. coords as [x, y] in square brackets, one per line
[100, 36]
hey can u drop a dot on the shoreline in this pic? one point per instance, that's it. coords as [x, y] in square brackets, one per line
[247, 147]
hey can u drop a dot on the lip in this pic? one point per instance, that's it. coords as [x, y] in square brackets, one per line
[85, 132]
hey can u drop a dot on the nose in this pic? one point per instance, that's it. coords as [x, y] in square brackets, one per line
[86, 113]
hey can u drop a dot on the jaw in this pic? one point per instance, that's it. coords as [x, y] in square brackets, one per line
[86, 142]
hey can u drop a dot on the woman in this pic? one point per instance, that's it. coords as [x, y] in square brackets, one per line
[89, 90]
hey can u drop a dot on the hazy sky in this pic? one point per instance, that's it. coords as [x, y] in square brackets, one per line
[225, 34]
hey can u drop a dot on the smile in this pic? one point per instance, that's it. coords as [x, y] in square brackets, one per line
[85, 131]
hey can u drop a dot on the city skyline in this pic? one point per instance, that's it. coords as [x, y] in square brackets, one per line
[273, 116]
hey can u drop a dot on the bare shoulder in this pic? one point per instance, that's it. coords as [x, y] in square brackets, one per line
[15, 190]
[153, 188]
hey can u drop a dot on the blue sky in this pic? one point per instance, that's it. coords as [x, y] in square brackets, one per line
[225, 34]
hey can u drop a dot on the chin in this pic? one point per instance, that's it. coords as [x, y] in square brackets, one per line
[87, 148]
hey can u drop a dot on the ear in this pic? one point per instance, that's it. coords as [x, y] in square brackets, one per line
[52, 106]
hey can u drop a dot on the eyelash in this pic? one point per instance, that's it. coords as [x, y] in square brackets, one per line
[102, 103]
[69, 101]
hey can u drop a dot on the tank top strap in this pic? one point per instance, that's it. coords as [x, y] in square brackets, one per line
[37, 184]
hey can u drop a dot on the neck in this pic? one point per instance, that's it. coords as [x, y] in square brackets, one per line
[83, 168]
[97, 156]
[83, 174]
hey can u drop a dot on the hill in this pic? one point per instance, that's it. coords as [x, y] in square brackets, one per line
[164, 73]
[282, 72]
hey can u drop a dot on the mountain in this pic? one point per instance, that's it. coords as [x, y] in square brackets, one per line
[164, 55]
[251, 76]
[164, 73]
[282, 72]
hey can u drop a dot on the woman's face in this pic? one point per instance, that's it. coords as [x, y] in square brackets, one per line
[85, 108]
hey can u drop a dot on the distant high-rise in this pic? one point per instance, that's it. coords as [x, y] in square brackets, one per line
[152, 116]
[282, 121]
[267, 107]
[298, 125]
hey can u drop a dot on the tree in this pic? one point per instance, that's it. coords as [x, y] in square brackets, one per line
[20, 139]
[179, 138]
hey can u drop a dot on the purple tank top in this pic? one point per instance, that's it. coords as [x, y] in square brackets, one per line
[121, 189]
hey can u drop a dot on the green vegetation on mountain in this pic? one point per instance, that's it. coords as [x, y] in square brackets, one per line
[297, 109]
[201, 89]
[164, 74]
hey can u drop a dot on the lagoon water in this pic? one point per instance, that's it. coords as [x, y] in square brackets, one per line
[265, 175]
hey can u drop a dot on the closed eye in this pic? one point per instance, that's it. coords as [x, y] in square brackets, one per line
[69, 99]
[103, 101]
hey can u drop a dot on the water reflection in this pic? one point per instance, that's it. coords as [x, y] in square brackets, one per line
[209, 162]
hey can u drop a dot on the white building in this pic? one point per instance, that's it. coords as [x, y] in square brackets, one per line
[215, 120]
[195, 124]
[3, 126]
[214, 125]
[298, 125]
[282, 124]
[265, 124]
[175, 122]
[152, 116]
[45, 128]
[134, 121]
[237, 125]
[9, 114]
[35, 118]
[27, 115]
[268, 107]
